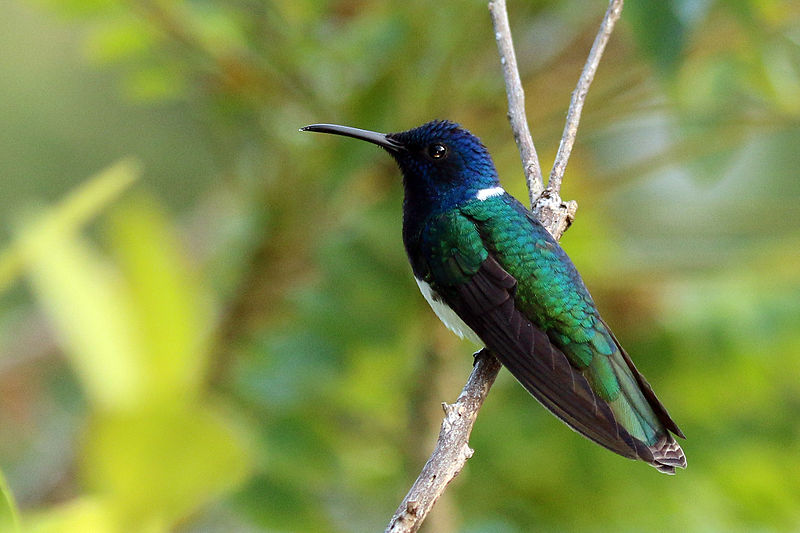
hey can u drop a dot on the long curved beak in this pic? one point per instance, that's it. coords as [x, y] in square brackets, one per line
[381, 139]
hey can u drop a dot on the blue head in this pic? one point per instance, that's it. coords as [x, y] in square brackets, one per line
[443, 164]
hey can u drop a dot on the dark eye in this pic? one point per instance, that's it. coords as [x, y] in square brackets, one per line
[437, 151]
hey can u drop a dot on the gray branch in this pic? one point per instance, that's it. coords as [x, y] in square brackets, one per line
[579, 95]
[452, 449]
[516, 99]
[555, 214]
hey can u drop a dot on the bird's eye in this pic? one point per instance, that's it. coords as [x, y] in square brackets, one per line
[437, 151]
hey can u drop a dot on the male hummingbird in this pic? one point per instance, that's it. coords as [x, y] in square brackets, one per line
[492, 273]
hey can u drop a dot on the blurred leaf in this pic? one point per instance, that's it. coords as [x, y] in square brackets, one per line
[659, 31]
[155, 83]
[158, 466]
[214, 25]
[9, 516]
[77, 516]
[713, 164]
[81, 8]
[168, 305]
[118, 39]
[71, 214]
[781, 70]
[89, 303]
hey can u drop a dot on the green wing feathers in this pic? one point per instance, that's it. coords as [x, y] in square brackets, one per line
[456, 249]
[510, 282]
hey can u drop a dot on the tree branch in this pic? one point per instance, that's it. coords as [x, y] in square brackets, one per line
[579, 94]
[452, 449]
[555, 214]
[516, 99]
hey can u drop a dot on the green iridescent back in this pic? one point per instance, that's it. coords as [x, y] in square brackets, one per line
[552, 295]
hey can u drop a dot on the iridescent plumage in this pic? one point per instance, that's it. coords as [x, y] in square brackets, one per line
[477, 251]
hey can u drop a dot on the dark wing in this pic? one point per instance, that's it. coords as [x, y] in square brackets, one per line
[485, 301]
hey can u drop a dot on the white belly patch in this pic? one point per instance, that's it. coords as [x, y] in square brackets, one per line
[446, 314]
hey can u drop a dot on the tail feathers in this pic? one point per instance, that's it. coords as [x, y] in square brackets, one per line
[645, 417]
[667, 455]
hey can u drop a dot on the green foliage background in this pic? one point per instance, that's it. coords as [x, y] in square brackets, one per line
[219, 331]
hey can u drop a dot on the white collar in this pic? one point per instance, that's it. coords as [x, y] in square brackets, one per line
[483, 194]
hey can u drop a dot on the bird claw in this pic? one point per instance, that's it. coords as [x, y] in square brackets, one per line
[477, 355]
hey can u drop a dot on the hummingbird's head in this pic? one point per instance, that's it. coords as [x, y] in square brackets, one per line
[441, 161]
[443, 156]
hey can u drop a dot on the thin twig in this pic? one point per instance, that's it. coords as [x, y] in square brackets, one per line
[579, 95]
[516, 99]
[452, 448]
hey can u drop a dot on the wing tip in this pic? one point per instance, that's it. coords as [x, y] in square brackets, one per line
[667, 455]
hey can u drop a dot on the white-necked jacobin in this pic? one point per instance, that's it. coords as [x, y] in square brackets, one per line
[493, 273]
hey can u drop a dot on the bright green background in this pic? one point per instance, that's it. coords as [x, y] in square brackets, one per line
[219, 331]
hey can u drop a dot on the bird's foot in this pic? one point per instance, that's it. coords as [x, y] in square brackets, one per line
[483, 352]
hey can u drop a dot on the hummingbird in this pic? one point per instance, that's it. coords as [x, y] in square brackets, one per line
[493, 274]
